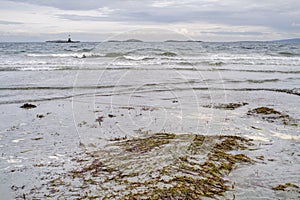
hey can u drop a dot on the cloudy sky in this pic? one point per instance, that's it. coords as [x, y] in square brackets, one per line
[98, 20]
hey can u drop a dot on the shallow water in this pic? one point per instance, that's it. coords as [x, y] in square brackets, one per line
[156, 87]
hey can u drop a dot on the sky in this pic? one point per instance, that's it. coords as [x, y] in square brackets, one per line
[149, 20]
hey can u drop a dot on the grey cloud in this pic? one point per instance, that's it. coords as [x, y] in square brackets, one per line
[250, 33]
[9, 22]
[70, 5]
[81, 17]
[276, 14]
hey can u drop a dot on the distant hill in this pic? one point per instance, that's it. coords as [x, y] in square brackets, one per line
[182, 41]
[294, 40]
[130, 40]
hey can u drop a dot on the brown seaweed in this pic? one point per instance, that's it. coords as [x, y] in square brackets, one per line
[228, 106]
[272, 115]
[149, 168]
[284, 187]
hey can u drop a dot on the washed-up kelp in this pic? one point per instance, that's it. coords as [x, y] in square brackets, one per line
[272, 115]
[227, 106]
[155, 166]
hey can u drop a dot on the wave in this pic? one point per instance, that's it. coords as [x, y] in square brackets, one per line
[79, 50]
[167, 54]
[61, 87]
[185, 63]
[44, 99]
[138, 58]
[288, 54]
[209, 60]
[114, 54]
[57, 55]
[82, 54]
[256, 71]
[207, 63]
[37, 68]
[295, 91]
[154, 66]
[253, 81]
[263, 81]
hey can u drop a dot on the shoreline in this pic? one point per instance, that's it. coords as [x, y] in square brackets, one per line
[145, 147]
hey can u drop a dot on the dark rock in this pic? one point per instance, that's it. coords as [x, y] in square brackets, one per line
[40, 116]
[28, 106]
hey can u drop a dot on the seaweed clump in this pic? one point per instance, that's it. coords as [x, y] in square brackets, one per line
[143, 145]
[156, 166]
[192, 179]
[271, 115]
[284, 187]
[228, 106]
[265, 111]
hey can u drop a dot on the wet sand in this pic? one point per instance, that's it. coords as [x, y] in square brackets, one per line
[48, 150]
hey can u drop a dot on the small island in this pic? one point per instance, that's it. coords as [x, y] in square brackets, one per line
[63, 41]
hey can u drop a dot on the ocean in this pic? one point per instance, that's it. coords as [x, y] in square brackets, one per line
[93, 94]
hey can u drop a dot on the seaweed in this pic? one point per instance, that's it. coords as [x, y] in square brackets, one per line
[147, 108]
[194, 180]
[144, 145]
[228, 106]
[285, 186]
[155, 166]
[272, 115]
[118, 138]
[265, 111]
[99, 119]
[195, 146]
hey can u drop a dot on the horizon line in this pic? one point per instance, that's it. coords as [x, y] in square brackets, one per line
[168, 40]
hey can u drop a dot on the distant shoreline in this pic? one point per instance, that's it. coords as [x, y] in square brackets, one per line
[294, 40]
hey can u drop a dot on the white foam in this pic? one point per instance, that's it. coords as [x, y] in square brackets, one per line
[11, 161]
[18, 140]
[53, 157]
[285, 136]
[258, 138]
